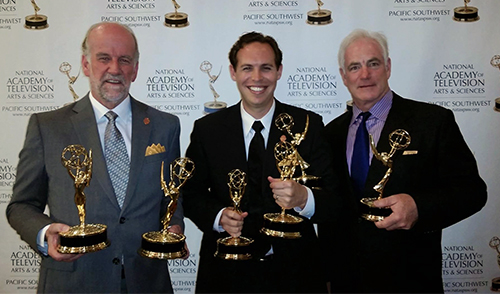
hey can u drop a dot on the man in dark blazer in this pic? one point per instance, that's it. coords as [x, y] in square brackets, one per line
[434, 182]
[110, 60]
[220, 143]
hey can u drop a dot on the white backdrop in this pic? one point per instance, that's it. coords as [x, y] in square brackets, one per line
[434, 59]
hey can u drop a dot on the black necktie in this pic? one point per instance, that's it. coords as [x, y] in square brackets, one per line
[256, 152]
[360, 162]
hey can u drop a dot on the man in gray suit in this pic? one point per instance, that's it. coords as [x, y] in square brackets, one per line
[110, 60]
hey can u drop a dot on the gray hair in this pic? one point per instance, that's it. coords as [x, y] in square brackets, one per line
[357, 34]
[85, 43]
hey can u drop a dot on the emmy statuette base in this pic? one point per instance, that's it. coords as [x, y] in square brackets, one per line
[465, 14]
[319, 17]
[281, 226]
[211, 107]
[163, 245]
[230, 248]
[36, 22]
[176, 20]
[495, 284]
[374, 214]
[83, 239]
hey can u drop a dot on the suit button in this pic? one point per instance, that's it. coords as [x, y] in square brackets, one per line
[122, 220]
[116, 260]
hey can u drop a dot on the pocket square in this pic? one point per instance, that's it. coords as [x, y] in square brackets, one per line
[155, 149]
[410, 152]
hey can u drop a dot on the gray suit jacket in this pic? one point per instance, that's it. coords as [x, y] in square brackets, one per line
[42, 180]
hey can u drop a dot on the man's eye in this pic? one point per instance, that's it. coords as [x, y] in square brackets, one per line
[125, 61]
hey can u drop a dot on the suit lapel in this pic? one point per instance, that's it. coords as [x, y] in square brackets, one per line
[85, 126]
[141, 131]
[235, 143]
[343, 131]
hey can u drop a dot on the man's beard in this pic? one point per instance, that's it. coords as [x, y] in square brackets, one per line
[111, 95]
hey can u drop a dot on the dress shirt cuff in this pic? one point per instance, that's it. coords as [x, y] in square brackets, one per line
[41, 243]
[217, 227]
[310, 207]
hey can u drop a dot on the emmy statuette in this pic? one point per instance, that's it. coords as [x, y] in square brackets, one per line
[287, 157]
[176, 19]
[36, 21]
[212, 106]
[283, 225]
[495, 62]
[65, 68]
[284, 122]
[83, 238]
[465, 13]
[398, 140]
[235, 248]
[319, 16]
[495, 282]
[164, 244]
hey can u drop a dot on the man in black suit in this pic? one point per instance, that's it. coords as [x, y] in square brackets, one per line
[220, 142]
[434, 181]
[110, 58]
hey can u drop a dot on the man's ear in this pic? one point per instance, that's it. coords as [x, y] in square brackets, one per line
[85, 66]
[232, 72]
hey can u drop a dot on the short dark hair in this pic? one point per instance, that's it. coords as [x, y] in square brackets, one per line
[252, 37]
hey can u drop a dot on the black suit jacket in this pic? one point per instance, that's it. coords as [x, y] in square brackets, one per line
[441, 176]
[42, 180]
[217, 147]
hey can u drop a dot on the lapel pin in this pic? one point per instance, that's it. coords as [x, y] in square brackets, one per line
[146, 121]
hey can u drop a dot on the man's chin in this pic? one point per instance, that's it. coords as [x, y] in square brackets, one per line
[114, 97]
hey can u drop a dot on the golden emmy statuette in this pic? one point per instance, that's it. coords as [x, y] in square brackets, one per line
[284, 122]
[176, 19]
[465, 13]
[65, 68]
[83, 238]
[495, 282]
[164, 244]
[319, 16]
[284, 225]
[495, 62]
[235, 248]
[398, 140]
[36, 21]
[212, 106]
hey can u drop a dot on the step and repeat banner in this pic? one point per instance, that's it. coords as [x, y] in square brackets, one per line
[441, 54]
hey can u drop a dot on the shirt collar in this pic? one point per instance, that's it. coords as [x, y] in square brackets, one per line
[378, 111]
[248, 120]
[123, 110]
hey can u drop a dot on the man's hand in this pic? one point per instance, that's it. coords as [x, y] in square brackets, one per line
[232, 222]
[288, 193]
[178, 230]
[404, 212]
[52, 236]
